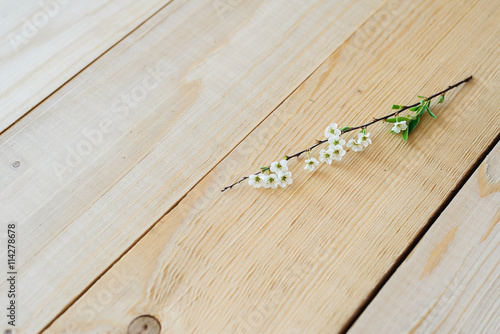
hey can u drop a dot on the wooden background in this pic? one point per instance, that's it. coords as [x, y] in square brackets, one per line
[126, 118]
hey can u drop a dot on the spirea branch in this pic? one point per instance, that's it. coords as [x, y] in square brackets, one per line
[278, 173]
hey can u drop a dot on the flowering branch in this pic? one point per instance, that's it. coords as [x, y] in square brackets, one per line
[278, 174]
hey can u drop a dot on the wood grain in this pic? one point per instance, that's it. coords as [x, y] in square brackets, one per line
[303, 260]
[43, 44]
[461, 294]
[113, 150]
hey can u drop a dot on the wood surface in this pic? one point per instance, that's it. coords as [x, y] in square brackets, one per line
[43, 44]
[113, 150]
[305, 260]
[451, 281]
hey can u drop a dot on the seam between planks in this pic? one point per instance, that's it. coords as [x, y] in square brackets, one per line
[84, 68]
[132, 245]
[399, 261]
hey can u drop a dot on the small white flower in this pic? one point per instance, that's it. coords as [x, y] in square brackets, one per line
[355, 145]
[364, 139]
[332, 130]
[271, 181]
[311, 164]
[281, 166]
[258, 180]
[284, 179]
[338, 153]
[336, 142]
[399, 126]
[326, 156]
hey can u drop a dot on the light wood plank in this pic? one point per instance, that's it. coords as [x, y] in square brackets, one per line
[451, 281]
[43, 44]
[95, 174]
[304, 259]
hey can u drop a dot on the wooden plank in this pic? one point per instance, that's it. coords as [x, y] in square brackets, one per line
[303, 260]
[43, 44]
[451, 281]
[113, 150]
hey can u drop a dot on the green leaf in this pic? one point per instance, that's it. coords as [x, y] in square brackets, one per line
[399, 119]
[363, 131]
[396, 106]
[413, 124]
[264, 168]
[421, 97]
[430, 112]
[345, 128]
[421, 110]
[418, 109]
[392, 131]
[441, 99]
[405, 134]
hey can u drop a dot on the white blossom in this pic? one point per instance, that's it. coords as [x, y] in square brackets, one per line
[257, 180]
[336, 142]
[355, 145]
[364, 139]
[332, 130]
[284, 179]
[338, 153]
[399, 126]
[279, 166]
[271, 181]
[326, 156]
[311, 164]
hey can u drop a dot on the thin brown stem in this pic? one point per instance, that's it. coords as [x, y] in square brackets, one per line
[375, 120]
